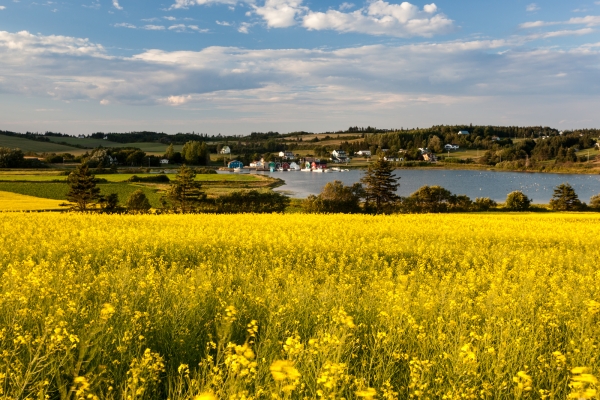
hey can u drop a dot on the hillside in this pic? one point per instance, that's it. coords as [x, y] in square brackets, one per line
[27, 145]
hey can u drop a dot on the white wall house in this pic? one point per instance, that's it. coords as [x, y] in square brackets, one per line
[286, 155]
[451, 147]
[225, 150]
[364, 153]
[164, 161]
[463, 132]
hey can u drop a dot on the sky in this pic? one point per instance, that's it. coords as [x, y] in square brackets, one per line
[235, 67]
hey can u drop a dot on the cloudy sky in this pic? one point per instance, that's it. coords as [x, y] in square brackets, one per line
[236, 66]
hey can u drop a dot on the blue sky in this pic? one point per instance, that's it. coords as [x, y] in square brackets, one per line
[232, 67]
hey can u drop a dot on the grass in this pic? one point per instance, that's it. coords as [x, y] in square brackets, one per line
[148, 147]
[124, 177]
[35, 146]
[18, 202]
[58, 191]
[463, 306]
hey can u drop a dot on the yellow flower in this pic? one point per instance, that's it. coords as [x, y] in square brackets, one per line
[368, 393]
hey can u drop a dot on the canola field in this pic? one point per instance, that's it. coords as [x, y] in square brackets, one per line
[489, 306]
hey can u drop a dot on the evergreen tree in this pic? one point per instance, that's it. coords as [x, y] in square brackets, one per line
[565, 198]
[138, 203]
[184, 194]
[380, 186]
[83, 193]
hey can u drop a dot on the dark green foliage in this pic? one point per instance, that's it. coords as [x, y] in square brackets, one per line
[11, 158]
[517, 201]
[162, 178]
[138, 203]
[110, 204]
[184, 195]
[380, 187]
[252, 202]
[205, 171]
[435, 199]
[484, 204]
[335, 198]
[83, 193]
[595, 202]
[565, 199]
[195, 153]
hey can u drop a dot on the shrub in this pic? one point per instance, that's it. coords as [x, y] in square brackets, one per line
[252, 201]
[484, 204]
[517, 201]
[162, 178]
[138, 203]
[335, 198]
[595, 202]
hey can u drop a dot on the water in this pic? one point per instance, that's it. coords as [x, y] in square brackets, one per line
[496, 185]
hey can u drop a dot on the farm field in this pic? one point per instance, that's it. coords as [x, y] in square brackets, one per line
[58, 190]
[502, 306]
[148, 147]
[124, 177]
[35, 146]
[18, 202]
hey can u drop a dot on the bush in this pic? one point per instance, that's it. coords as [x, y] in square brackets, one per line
[595, 202]
[205, 171]
[138, 203]
[162, 178]
[335, 198]
[252, 202]
[435, 199]
[517, 201]
[484, 204]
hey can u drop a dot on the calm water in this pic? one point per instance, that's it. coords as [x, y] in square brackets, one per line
[495, 185]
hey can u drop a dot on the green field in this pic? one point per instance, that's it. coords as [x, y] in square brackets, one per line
[125, 177]
[58, 191]
[147, 147]
[27, 145]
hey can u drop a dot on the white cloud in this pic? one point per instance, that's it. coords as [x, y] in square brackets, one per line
[245, 27]
[280, 13]
[383, 18]
[223, 23]
[185, 28]
[346, 6]
[154, 28]
[532, 7]
[116, 4]
[188, 3]
[170, 18]
[2, 8]
[125, 25]
[293, 84]
[590, 20]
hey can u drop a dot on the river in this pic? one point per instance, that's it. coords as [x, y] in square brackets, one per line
[493, 184]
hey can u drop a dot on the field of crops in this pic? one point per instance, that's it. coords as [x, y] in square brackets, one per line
[58, 190]
[33, 145]
[301, 306]
[18, 202]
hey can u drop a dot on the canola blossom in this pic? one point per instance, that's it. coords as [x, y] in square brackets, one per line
[299, 306]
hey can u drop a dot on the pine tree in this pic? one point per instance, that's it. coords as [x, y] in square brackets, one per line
[184, 194]
[83, 193]
[565, 198]
[380, 186]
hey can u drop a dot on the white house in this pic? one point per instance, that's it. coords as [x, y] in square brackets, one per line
[424, 150]
[451, 147]
[164, 161]
[463, 132]
[393, 159]
[225, 150]
[286, 155]
[364, 153]
[339, 156]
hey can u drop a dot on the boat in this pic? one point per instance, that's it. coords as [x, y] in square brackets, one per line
[238, 169]
[306, 170]
[335, 169]
[318, 170]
